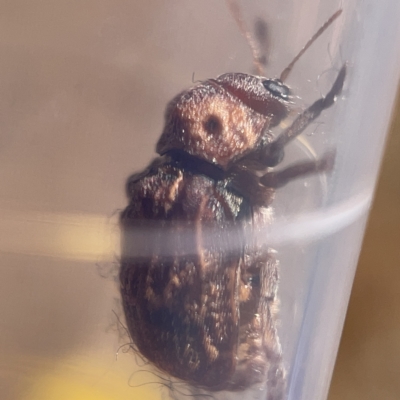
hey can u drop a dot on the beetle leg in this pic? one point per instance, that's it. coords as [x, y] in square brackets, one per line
[276, 179]
[264, 352]
[247, 183]
[260, 190]
[259, 347]
[268, 307]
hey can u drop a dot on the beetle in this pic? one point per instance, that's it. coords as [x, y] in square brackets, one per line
[200, 303]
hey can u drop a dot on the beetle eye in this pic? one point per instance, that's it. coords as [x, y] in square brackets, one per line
[276, 88]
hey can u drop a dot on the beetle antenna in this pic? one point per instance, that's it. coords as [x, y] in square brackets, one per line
[238, 16]
[285, 73]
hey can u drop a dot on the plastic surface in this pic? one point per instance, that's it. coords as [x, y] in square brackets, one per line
[83, 95]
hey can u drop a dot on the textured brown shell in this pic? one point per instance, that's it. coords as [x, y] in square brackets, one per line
[182, 310]
[221, 120]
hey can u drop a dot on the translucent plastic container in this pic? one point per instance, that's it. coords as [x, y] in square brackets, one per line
[84, 89]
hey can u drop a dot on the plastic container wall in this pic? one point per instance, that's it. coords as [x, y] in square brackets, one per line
[84, 92]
